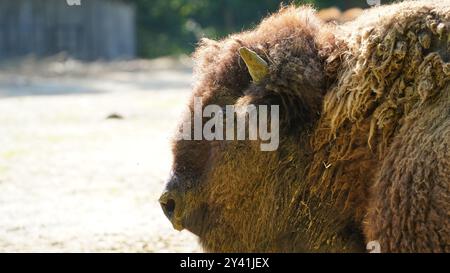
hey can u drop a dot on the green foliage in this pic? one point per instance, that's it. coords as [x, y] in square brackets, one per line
[167, 27]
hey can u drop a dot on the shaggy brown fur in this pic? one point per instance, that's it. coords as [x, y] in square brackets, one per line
[364, 143]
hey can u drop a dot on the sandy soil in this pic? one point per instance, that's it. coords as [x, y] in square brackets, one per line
[72, 180]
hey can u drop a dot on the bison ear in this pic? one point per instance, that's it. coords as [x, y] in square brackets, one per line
[257, 67]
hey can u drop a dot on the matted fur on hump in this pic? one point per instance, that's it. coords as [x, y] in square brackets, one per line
[387, 63]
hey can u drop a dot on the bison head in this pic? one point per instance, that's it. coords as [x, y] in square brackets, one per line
[231, 194]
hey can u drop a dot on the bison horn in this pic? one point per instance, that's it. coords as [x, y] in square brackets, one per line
[257, 67]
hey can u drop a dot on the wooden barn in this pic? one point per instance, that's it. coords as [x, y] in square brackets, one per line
[95, 29]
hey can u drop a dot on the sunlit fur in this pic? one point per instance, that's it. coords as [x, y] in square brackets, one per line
[364, 136]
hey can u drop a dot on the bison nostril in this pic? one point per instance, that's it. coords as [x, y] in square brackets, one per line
[168, 207]
[171, 201]
[167, 201]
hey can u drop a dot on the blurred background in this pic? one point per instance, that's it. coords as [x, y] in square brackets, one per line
[90, 93]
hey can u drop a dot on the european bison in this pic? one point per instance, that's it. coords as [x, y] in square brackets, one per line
[364, 151]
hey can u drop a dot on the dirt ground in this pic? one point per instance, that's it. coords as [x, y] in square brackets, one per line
[72, 180]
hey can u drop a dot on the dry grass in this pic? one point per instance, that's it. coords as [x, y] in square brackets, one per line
[72, 180]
